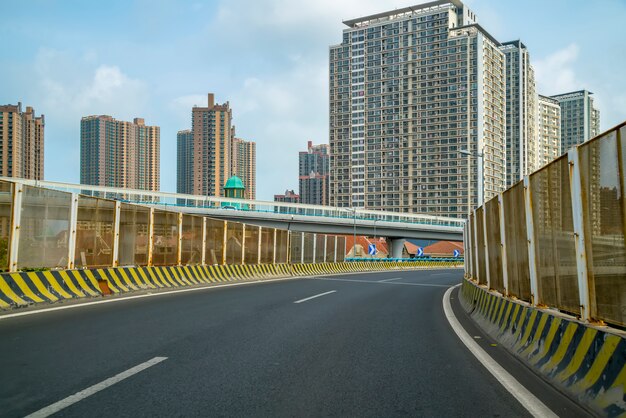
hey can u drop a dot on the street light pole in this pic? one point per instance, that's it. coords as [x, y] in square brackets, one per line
[354, 220]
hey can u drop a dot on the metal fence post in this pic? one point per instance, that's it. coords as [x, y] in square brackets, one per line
[274, 254]
[575, 181]
[288, 247]
[71, 245]
[151, 237]
[475, 242]
[530, 239]
[116, 233]
[314, 247]
[505, 274]
[302, 249]
[203, 255]
[179, 250]
[224, 242]
[243, 244]
[336, 249]
[258, 249]
[486, 242]
[18, 192]
[325, 247]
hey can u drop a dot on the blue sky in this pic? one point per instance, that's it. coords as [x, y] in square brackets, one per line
[268, 58]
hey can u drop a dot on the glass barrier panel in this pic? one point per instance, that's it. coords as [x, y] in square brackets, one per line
[320, 248]
[494, 247]
[603, 215]
[44, 229]
[330, 248]
[516, 242]
[165, 238]
[267, 245]
[191, 241]
[480, 242]
[307, 249]
[234, 241]
[6, 212]
[295, 240]
[341, 249]
[251, 243]
[554, 237]
[282, 245]
[134, 235]
[94, 232]
[214, 242]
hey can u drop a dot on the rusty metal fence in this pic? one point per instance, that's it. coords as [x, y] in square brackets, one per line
[42, 228]
[556, 239]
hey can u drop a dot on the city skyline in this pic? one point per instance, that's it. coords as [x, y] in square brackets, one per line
[278, 82]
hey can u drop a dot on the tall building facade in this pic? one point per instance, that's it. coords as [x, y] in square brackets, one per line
[21, 142]
[580, 119]
[289, 197]
[119, 154]
[521, 112]
[184, 161]
[205, 151]
[314, 174]
[409, 89]
[243, 164]
[548, 132]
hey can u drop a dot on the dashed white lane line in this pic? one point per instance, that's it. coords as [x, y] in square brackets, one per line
[315, 296]
[390, 280]
[70, 400]
[515, 388]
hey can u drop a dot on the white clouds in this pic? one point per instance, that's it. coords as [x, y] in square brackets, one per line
[555, 73]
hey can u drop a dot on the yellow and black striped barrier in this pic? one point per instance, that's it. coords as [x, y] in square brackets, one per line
[26, 288]
[586, 361]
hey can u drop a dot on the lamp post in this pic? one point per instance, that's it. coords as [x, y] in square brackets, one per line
[481, 177]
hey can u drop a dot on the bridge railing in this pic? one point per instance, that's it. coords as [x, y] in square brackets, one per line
[165, 200]
[556, 239]
[42, 228]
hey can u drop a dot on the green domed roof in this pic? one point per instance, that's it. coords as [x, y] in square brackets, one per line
[234, 183]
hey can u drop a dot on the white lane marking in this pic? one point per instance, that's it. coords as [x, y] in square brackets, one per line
[441, 274]
[79, 396]
[390, 280]
[148, 295]
[515, 388]
[373, 282]
[315, 296]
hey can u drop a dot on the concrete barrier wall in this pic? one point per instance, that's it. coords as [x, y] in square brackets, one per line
[587, 362]
[27, 288]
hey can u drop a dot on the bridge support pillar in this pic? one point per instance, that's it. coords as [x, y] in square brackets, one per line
[397, 245]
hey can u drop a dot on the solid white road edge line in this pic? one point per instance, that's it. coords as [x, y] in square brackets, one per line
[515, 388]
[70, 400]
[147, 295]
[378, 282]
[315, 296]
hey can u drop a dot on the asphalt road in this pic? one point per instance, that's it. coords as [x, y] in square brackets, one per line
[379, 345]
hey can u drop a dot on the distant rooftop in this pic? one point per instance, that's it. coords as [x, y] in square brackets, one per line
[571, 94]
[398, 13]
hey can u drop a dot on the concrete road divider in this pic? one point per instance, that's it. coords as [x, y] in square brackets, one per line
[588, 362]
[27, 288]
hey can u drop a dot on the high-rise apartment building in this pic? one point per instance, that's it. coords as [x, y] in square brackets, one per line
[580, 120]
[409, 89]
[289, 197]
[521, 112]
[21, 142]
[119, 154]
[548, 144]
[184, 161]
[205, 152]
[243, 165]
[314, 169]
